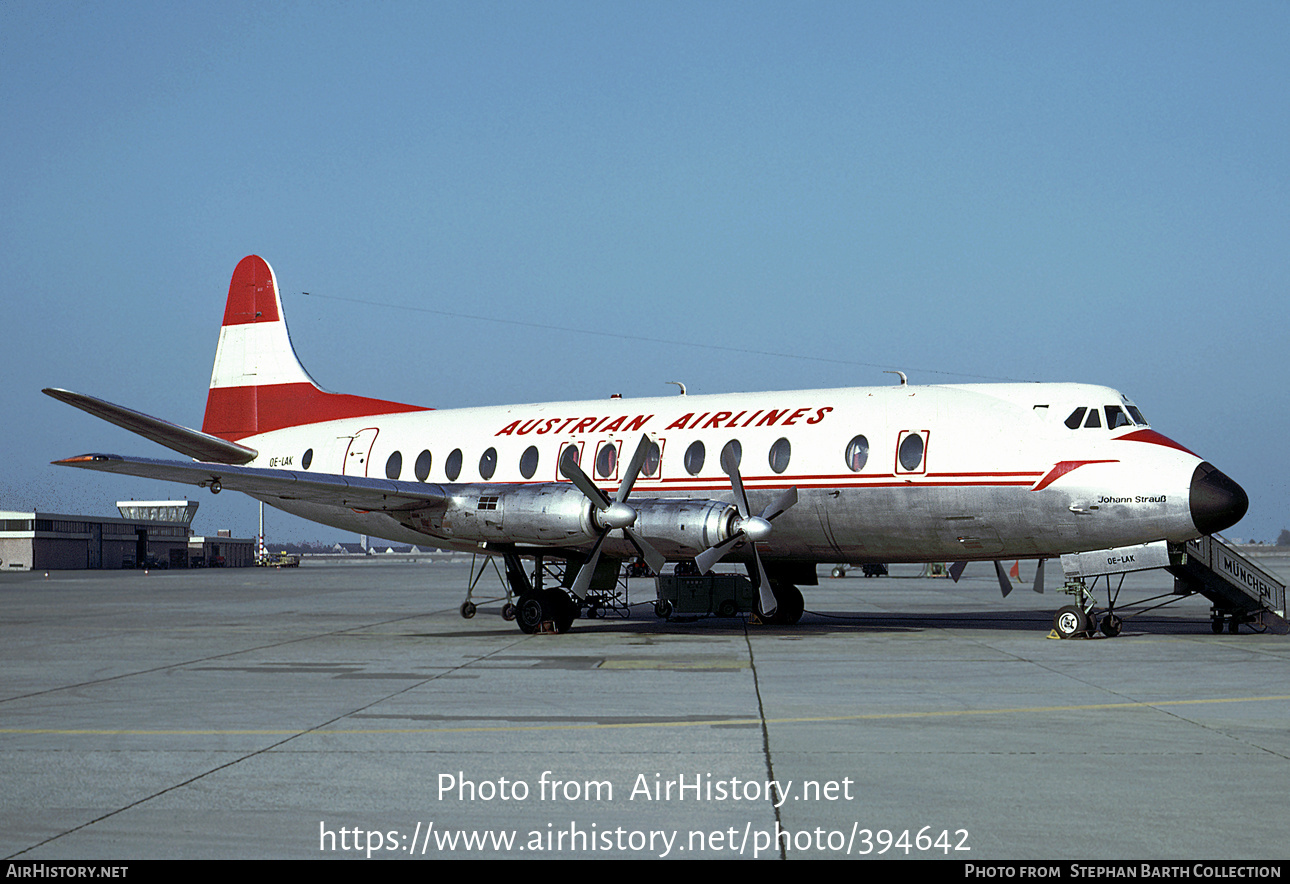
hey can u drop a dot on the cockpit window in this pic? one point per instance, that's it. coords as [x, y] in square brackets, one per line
[1116, 418]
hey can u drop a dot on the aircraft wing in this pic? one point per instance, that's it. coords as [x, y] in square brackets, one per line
[193, 443]
[357, 492]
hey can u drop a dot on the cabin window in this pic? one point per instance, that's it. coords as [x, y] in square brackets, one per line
[606, 460]
[394, 466]
[779, 454]
[694, 458]
[452, 466]
[911, 452]
[488, 463]
[1076, 418]
[529, 462]
[307, 459]
[422, 466]
[570, 456]
[735, 451]
[653, 457]
[857, 454]
[1116, 418]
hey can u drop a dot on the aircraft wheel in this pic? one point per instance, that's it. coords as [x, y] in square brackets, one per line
[468, 610]
[530, 613]
[508, 611]
[1070, 621]
[1111, 625]
[761, 618]
[727, 608]
[839, 571]
[563, 610]
[789, 603]
[663, 609]
[1233, 625]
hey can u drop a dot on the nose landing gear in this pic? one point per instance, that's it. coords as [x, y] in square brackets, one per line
[1080, 620]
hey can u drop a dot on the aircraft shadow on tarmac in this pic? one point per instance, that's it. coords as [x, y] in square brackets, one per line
[816, 623]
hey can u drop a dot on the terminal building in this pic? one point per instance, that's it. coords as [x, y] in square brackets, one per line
[149, 534]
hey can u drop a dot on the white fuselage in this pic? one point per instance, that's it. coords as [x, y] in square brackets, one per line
[896, 473]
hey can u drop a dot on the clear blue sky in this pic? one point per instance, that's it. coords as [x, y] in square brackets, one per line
[962, 190]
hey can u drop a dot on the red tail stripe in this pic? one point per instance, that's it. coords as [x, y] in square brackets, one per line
[234, 413]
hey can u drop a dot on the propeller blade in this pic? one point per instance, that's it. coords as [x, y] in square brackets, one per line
[634, 468]
[713, 554]
[652, 557]
[736, 482]
[783, 502]
[570, 470]
[766, 599]
[588, 570]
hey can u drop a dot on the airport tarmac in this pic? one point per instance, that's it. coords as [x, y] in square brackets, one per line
[304, 713]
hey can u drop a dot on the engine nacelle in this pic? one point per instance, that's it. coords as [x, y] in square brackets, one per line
[562, 516]
[679, 528]
[536, 515]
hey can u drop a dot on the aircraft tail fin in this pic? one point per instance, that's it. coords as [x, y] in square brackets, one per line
[258, 384]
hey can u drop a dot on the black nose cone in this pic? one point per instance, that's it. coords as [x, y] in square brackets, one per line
[1217, 503]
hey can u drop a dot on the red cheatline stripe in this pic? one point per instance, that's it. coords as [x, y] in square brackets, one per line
[1155, 438]
[1062, 469]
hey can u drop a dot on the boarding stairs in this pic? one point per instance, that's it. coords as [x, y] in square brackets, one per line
[1240, 590]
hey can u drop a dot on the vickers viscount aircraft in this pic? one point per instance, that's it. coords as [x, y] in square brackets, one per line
[780, 481]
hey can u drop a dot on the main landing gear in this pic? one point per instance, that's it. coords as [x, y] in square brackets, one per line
[540, 608]
[541, 602]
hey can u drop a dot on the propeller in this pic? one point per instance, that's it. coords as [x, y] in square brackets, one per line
[747, 528]
[610, 514]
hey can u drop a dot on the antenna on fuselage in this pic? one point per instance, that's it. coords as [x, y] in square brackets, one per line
[904, 381]
[679, 384]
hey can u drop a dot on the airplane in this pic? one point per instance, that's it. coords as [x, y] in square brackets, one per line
[780, 481]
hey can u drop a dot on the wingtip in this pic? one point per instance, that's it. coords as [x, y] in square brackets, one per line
[84, 459]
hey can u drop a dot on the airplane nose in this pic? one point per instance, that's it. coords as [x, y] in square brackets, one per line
[1216, 501]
